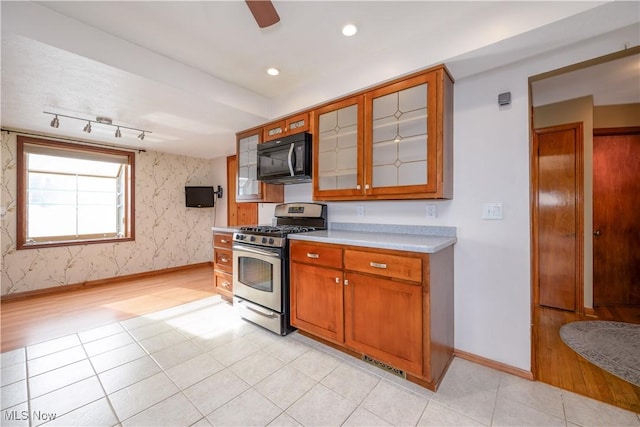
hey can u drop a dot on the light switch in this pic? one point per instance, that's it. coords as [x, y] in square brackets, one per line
[492, 211]
[360, 210]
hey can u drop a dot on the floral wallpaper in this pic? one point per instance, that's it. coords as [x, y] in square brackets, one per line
[167, 234]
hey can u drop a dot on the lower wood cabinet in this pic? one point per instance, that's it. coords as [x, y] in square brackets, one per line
[393, 306]
[223, 264]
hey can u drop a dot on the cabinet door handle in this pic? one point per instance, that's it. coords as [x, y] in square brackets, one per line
[366, 187]
[377, 265]
[338, 280]
[314, 256]
[358, 187]
[346, 282]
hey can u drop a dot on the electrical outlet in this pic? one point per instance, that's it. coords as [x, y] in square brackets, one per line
[360, 210]
[432, 210]
[492, 211]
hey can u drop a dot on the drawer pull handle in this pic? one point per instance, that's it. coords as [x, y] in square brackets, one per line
[224, 259]
[226, 284]
[377, 265]
[224, 241]
[314, 256]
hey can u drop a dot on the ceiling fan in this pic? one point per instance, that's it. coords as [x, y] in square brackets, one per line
[264, 12]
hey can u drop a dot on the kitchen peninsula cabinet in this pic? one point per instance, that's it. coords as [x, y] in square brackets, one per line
[393, 306]
[288, 126]
[394, 141]
[223, 264]
[248, 188]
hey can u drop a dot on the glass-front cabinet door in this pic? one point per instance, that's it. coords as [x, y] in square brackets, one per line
[338, 150]
[248, 186]
[400, 142]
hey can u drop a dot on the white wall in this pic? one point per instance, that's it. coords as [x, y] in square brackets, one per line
[491, 164]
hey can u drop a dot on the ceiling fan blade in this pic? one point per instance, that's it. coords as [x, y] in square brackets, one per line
[264, 12]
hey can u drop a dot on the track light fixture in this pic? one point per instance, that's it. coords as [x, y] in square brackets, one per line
[55, 122]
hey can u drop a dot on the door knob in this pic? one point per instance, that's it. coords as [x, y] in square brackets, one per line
[596, 233]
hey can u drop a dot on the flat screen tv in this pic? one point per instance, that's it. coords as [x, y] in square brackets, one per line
[199, 197]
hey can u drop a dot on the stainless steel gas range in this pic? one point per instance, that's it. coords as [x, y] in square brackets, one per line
[261, 264]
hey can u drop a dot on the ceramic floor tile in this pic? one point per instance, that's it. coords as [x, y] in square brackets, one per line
[263, 338]
[437, 415]
[316, 364]
[98, 413]
[284, 420]
[142, 395]
[473, 376]
[248, 409]
[12, 357]
[362, 417]
[234, 351]
[129, 373]
[353, 383]
[105, 361]
[13, 373]
[171, 356]
[321, 407]
[256, 367]
[535, 394]
[58, 378]
[100, 332]
[69, 398]
[163, 340]
[589, 412]
[150, 330]
[285, 386]
[203, 422]
[55, 360]
[216, 390]
[138, 322]
[194, 370]
[52, 346]
[287, 349]
[510, 413]
[395, 404]
[105, 344]
[174, 411]
[13, 394]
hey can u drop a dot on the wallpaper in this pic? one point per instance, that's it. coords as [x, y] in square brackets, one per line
[167, 233]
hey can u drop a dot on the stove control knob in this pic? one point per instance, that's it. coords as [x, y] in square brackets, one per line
[271, 241]
[253, 238]
[264, 240]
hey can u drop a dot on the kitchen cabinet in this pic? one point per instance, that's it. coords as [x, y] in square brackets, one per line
[394, 141]
[248, 188]
[287, 126]
[223, 264]
[395, 307]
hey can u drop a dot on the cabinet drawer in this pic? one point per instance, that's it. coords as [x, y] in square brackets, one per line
[222, 240]
[223, 260]
[309, 253]
[384, 264]
[224, 281]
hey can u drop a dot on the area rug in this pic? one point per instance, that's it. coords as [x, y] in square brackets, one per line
[613, 346]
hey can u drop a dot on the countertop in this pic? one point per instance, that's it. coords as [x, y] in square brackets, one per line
[220, 229]
[403, 238]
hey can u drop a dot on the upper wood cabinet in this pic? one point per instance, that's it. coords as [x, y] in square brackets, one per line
[288, 126]
[391, 142]
[248, 188]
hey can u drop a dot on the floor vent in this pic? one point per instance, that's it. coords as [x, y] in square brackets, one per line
[395, 371]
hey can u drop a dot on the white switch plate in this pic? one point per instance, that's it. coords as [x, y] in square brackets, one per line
[432, 210]
[360, 210]
[492, 211]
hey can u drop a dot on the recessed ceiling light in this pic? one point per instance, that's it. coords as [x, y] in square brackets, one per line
[273, 71]
[349, 30]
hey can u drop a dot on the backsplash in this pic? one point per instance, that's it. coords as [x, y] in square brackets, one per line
[167, 233]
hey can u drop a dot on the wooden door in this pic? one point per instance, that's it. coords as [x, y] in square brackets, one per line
[316, 301]
[238, 213]
[616, 223]
[383, 319]
[557, 212]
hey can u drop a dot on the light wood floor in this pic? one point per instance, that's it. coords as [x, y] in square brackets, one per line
[559, 365]
[41, 318]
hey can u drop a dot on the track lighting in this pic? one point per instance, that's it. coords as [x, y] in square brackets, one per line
[55, 122]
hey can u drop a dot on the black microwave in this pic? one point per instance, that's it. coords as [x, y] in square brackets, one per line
[286, 160]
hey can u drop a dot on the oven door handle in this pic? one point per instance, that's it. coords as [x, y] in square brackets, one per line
[266, 313]
[255, 251]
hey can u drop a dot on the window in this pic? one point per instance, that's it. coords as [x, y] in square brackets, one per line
[73, 194]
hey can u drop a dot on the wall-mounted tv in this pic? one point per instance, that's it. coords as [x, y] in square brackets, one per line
[199, 197]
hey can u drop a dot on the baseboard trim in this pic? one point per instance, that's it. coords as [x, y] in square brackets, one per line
[590, 312]
[493, 364]
[99, 282]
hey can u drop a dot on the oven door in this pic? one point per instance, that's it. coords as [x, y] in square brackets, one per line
[257, 275]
